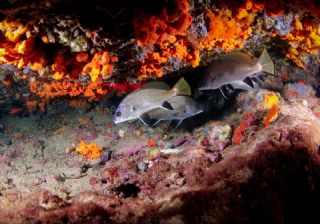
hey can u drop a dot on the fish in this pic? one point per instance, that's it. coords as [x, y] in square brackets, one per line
[237, 70]
[183, 107]
[153, 95]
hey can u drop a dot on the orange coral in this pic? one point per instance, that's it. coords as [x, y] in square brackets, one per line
[271, 115]
[93, 91]
[71, 67]
[13, 30]
[171, 48]
[99, 66]
[82, 57]
[271, 103]
[168, 32]
[66, 66]
[304, 38]
[90, 150]
[17, 47]
[151, 142]
[152, 29]
[226, 32]
[271, 8]
[21, 54]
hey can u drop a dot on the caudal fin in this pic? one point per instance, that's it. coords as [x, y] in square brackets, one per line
[266, 62]
[182, 88]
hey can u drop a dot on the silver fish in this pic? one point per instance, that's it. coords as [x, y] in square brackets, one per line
[236, 69]
[139, 102]
[183, 107]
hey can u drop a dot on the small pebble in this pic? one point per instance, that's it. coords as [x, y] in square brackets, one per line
[171, 151]
[142, 166]
[304, 103]
[121, 133]
[138, 133]
[93, 181]
[165, 137]
[68, 150]
[71, 148]
[8, 141]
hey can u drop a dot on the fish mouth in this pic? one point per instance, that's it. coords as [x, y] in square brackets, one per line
[117, 121]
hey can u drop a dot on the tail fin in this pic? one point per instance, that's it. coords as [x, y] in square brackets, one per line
[266, 62]
[182, 88]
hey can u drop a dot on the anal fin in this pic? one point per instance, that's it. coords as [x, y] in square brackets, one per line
[154, 122]
[249, 82]
[145, 118]
[166, 105]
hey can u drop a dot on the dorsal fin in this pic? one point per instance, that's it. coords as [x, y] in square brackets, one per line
[181, 88]
[266, 62]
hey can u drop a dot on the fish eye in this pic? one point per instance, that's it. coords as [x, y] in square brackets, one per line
[118, 113]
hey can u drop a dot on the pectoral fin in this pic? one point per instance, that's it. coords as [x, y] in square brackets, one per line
[145, 118]
[167, 106]
[176, 123]
[182, 88]
[260, 78]
[249, 82]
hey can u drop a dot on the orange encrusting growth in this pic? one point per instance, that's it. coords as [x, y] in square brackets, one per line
[168, 31]
[21, 54]
[99, 66]
[271, 115]
[179, 49]
[89, 150]
[226, 32]
[271, 103]
[12, 30]
[271, 8]
[17, 47]
[49, 90]
[151, 29]
[151, 142]
[304, 38]
[71, 67]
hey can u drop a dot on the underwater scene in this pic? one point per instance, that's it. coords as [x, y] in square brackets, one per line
[163, 111]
